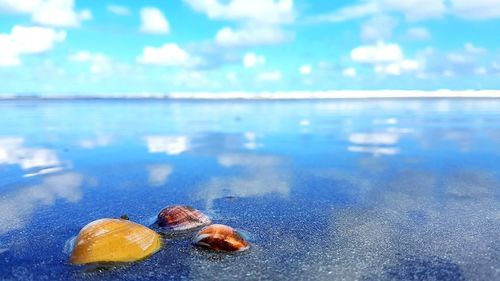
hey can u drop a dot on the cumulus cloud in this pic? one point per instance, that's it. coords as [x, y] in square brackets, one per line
[386, 58]
[378, 53]
[378, 28]
[414, 10]
[19, 7]
[59, 13]
[251, 35]
[169, 54]
[257, 11]
[269, 76]
[411, 9]
[396, 68]
[99, 63]
[260, 21]
[252, 60]
[27, 40]
[351, 12]
[118, 10]
[153, 21]
[476, 10]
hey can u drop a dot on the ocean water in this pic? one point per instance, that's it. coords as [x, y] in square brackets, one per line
[324, 190]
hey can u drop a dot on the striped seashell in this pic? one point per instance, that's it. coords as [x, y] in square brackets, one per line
[218, 237]
[181, 217]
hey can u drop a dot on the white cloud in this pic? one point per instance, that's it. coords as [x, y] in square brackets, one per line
[19, 6]
[412, 9]
[349, 72]
[416, 9]
[252, 60]
[378, 53]
[386, 58]
[256, 11]
[477, 9]
[251, 36]
[261, 20]
[378, 28]
[396, 68]
[305, 69]
[9, 56]
[458, 58]
[56, 13]
[153, 21]
[269, 76]
[59, 13]
[169, 54]
[27, 40]
[119, 10]
[351, 12]
[99, 63]
[418, 33]
[470, 48]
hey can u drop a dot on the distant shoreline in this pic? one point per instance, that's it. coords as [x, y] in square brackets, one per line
[262, 96]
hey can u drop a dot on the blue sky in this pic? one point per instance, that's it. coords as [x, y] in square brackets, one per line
[66, 46]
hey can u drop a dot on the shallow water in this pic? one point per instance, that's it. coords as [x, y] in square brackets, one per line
[326, 190]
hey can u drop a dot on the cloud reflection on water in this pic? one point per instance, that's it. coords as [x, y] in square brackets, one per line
[158, 174]
[261, 175]
[98, 141]
[376, 143]
[16, 208]
[171, 145]
[13, 152]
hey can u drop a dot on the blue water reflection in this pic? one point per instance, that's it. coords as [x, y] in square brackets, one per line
[354, 190]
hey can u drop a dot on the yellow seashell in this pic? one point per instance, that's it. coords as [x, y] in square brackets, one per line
[114, 240]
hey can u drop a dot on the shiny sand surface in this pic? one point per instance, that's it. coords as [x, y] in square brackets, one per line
[324, 190]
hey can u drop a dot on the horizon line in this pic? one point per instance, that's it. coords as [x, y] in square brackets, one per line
[264, 95]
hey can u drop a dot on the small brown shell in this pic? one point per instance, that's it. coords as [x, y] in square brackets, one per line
[218, 237]
[181, 217]
[114, 240]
